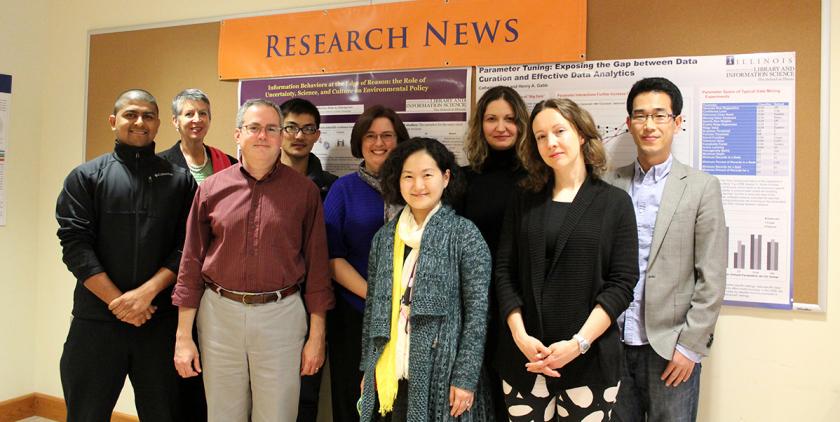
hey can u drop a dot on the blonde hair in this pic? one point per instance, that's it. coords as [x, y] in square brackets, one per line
[594, 155]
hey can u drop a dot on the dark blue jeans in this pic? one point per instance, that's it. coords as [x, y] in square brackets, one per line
[643, 393]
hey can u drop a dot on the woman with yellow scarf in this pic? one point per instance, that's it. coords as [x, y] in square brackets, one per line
[425, 317]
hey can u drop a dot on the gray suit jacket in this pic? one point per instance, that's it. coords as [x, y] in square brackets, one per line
[686, 273]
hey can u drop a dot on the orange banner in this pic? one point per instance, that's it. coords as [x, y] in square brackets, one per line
[409, 35]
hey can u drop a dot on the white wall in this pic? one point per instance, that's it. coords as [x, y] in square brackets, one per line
[61, 59]
[18, 253]
[766, 365]
[783, 366]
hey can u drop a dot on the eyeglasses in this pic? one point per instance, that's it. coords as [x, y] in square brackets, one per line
[659, 117]
[255, 129]
[294, 129]
[385, 137]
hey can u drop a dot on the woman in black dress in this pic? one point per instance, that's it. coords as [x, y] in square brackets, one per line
[567, 265]
[498, 125]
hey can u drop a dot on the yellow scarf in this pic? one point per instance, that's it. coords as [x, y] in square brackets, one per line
[392, 364]
[386, 377]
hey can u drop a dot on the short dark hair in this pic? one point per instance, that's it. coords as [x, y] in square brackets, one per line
[300, 106]
[658, 85]
[392, 169]
[366, 119]
[134, 94]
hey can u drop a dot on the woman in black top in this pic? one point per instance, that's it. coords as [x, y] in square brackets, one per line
[498, 125]
[567, 265]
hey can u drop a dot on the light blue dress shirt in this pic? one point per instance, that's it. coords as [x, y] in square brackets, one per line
[646, 192]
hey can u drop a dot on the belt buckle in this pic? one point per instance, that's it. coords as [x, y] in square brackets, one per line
[245, 302]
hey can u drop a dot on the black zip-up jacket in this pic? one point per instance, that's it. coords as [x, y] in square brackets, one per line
[123, 213]
[323, 179]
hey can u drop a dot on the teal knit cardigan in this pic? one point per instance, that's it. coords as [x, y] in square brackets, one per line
[448, 318]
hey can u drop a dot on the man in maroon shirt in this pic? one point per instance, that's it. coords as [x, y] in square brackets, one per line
[254, 234]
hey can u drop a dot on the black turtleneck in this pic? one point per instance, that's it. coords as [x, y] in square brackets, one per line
[484, 203]
[488, 191]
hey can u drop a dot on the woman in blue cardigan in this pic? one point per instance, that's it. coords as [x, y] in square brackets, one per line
[353, 211]
[426, 310]
[567, 265]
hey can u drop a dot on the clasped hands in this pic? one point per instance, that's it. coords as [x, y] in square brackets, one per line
[546, 360]
[133, 307]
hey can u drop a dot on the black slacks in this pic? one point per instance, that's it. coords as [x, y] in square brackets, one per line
[344, 334]
[310, 386]
[193, 402]
[97, 357]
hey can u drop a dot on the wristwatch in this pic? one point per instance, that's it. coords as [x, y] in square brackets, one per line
[582, 342]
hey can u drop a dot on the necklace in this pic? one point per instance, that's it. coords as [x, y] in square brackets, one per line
[201, 167]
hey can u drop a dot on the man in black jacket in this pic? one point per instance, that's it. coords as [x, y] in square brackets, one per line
[121, 223]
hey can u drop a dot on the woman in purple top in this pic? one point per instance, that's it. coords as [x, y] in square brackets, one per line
[354, 211]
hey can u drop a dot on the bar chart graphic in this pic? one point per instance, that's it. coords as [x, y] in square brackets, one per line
[737, 258]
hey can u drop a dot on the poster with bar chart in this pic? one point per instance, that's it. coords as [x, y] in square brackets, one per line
[738, 124]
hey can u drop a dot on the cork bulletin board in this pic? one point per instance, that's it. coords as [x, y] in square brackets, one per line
[177, 57]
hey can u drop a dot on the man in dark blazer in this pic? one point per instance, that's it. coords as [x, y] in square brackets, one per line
[669, 326]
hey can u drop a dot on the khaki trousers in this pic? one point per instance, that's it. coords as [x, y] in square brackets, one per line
[250, 357]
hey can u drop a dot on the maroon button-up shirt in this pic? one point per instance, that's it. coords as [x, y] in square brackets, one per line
[255, 236]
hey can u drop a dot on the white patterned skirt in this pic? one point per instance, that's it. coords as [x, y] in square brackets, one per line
[585, 404]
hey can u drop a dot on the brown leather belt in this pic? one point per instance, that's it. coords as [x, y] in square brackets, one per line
[252, 298]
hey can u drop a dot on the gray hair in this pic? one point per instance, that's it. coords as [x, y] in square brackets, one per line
[134, 94]
[193, 94]
[256, 102]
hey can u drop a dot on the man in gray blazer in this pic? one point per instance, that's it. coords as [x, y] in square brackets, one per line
[669, 326]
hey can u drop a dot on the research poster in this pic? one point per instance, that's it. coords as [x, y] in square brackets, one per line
[5, 105]
[431, 103]
[738, 124]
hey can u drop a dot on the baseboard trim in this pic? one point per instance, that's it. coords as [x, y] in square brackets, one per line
[45, 406]
[18, 408]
